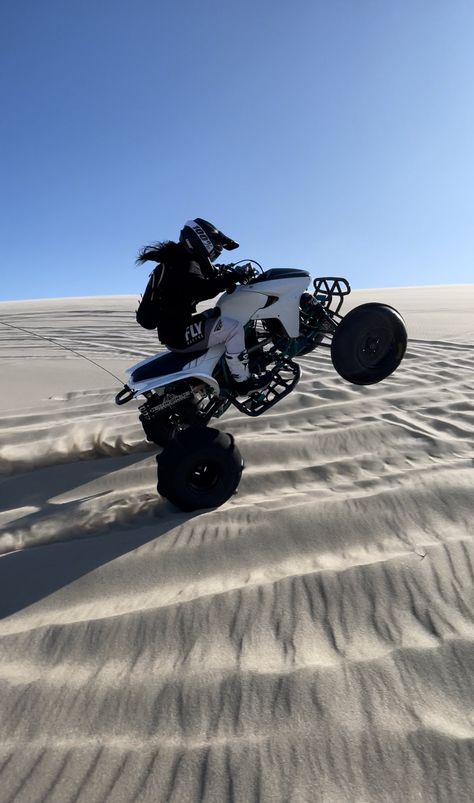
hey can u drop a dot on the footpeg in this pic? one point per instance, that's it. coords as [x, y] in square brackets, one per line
[285, 376]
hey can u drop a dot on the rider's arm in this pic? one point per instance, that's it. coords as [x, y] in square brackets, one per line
[201, 288]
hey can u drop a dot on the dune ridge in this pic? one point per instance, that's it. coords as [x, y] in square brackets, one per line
[311, 640]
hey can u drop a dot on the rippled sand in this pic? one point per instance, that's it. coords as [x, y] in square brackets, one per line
[311, 640]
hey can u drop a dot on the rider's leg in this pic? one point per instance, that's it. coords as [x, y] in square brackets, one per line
[217, 329]
[236, 355]
[231, 332]
[210, 328]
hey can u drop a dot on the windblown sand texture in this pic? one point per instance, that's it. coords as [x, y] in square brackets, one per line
[311, 640]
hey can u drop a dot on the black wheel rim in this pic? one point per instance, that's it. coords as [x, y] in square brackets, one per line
[203, 476]
[374, 346]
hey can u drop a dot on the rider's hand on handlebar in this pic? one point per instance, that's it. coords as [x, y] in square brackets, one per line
[223, 268]
[243, 273]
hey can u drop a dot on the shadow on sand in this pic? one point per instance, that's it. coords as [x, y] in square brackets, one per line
[30, 574]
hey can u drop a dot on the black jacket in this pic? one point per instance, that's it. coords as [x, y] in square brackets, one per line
[173, 290]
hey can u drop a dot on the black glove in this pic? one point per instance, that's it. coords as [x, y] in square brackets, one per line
[223, 267]
[243, 273]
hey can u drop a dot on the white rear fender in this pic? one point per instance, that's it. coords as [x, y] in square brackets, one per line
[196, 367]
[160, 382]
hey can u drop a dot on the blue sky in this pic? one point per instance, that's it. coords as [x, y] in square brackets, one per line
[333, 135]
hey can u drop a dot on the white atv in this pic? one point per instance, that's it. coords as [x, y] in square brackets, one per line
[200, 467]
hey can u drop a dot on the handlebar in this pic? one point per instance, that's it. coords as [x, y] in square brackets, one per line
[245, 270]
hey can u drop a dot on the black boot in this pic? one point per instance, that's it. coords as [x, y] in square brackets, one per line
[254, 382]
[243, 382]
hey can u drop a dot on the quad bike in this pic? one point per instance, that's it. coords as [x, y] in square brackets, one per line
[199, 466]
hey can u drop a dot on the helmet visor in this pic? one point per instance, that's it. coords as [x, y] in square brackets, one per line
[218, 237]
[202, 238]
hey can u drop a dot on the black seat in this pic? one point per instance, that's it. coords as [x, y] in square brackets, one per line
[168, 363]
[279, 273]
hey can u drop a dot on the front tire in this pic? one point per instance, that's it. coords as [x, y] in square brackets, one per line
[200, 468]
[369, 344]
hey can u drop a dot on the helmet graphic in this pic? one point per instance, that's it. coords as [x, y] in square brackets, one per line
[203, 240]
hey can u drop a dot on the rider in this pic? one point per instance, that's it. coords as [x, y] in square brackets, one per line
[185, 275]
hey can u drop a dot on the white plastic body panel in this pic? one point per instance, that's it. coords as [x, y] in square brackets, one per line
[248, 302]
[197, 368]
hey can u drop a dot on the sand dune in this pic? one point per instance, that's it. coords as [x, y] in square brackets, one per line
[311, 640]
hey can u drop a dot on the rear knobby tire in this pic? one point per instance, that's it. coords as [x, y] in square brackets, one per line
[199, 468]
[369, 344]
[156, 431]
